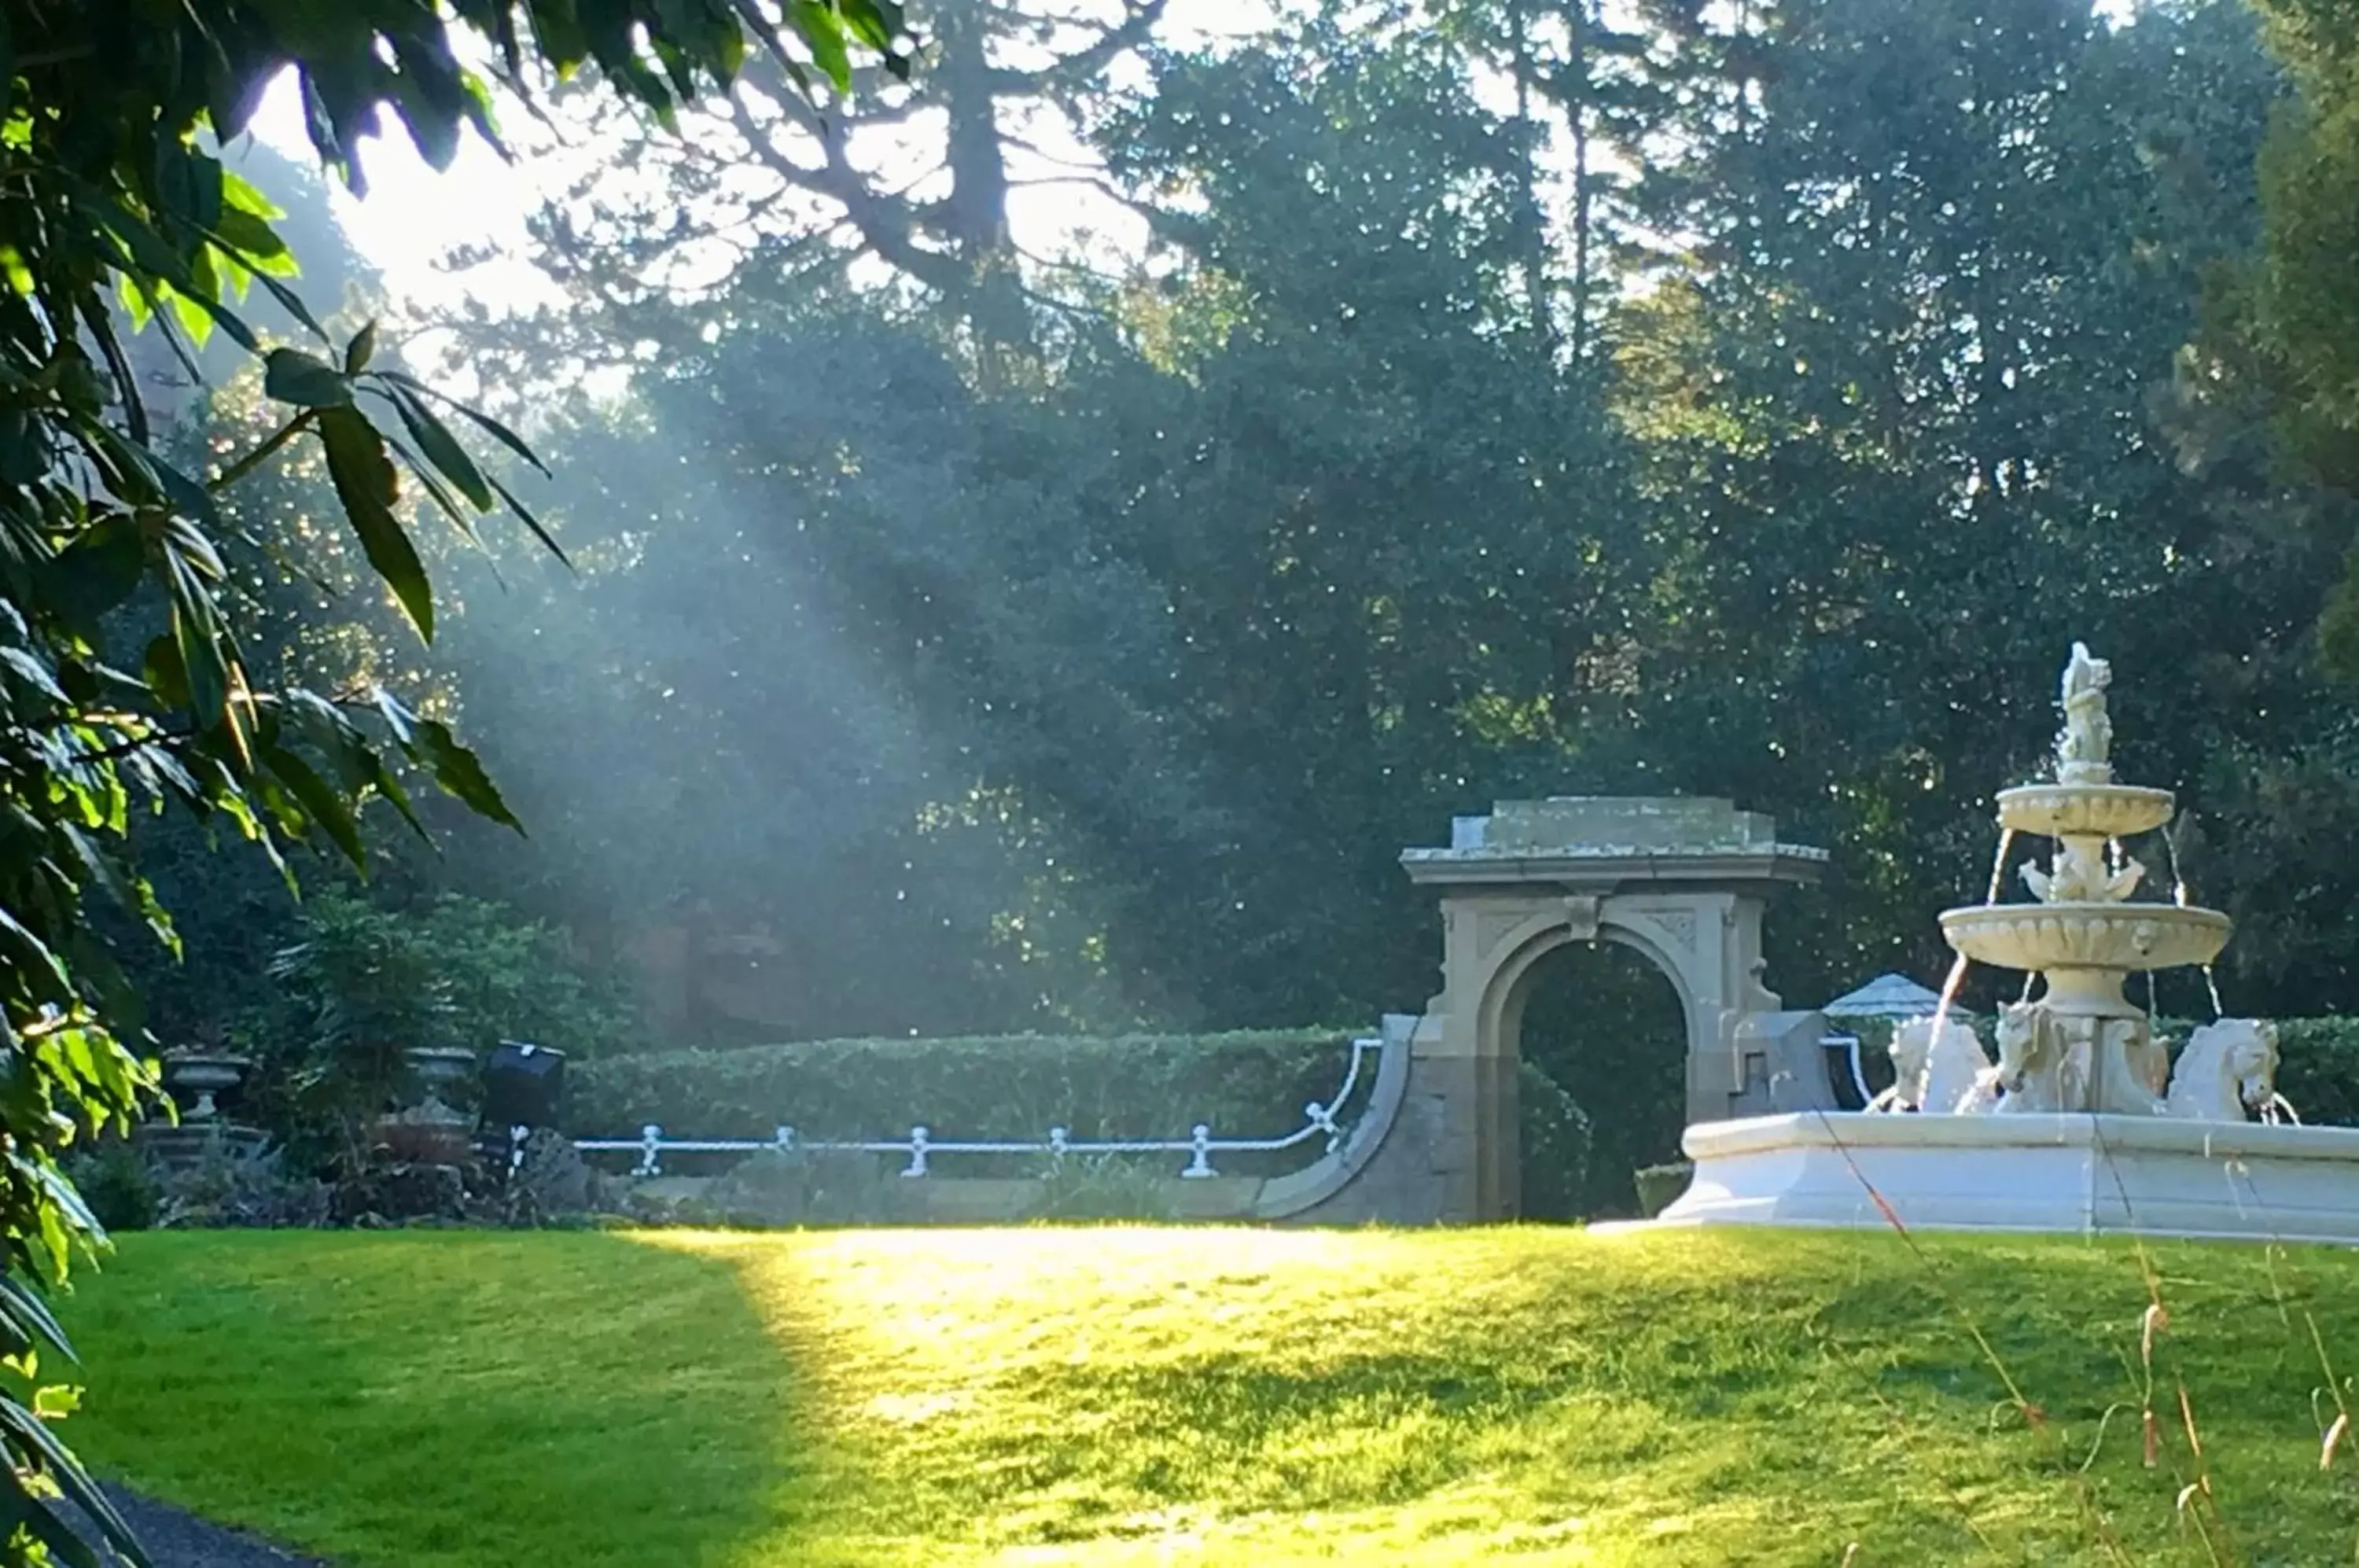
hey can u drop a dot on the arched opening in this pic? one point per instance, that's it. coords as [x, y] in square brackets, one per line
[1596, 1026]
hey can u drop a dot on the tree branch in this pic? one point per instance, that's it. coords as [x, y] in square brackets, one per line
[261, 454]
[1076, 70]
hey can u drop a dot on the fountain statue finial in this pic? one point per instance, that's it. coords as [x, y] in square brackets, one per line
[2084, 749]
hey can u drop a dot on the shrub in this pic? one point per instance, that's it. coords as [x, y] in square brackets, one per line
[1556, 1145]
[231, 1187]
[2319, 1067]
[118, 1184]
[1017, 1087]
[1660, 1186]
[364, 983]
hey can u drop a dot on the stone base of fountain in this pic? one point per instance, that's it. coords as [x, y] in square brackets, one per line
[2077, 1174]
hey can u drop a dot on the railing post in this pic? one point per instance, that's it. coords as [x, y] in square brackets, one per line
[651, 1151]
[916, 1152]
[1200, 1162]
[1324, 1120]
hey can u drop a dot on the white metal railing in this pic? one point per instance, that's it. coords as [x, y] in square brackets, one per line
[921, 1146]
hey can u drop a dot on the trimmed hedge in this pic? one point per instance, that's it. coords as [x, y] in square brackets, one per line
[1556, 1144]
[2318, 1068]
[1246, 1084]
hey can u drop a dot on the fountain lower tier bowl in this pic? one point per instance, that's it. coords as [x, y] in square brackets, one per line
[2084, 811]
[2118, 937]
[2084, 1175]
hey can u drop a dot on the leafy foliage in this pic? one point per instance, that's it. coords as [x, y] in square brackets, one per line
[364, 983]
[1556, 1138]
[1245, 1084]
[113, 199]
[2284, 338]
[2319, 1069]
[1104, 696]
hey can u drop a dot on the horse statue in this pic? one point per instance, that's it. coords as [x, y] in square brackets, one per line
[1948, 1075]
[2043, 1067]
[2227, 1071]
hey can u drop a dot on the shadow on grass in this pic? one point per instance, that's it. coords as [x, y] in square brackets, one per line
[455, 1399]
[428, 1399]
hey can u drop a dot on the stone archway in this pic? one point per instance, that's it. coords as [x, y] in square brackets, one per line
[1683, 882]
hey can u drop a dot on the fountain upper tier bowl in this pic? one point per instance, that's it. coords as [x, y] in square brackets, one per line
[2090, 811]
[2121, 937]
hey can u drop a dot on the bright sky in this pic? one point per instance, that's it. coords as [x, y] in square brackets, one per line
[413, 216]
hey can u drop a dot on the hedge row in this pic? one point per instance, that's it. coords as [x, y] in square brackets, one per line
[1247, 1085]
[2318, 1068]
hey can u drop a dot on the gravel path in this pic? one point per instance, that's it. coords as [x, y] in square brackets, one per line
[179, 1539]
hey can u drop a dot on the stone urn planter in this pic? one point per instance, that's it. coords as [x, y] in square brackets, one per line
[432, 1132]
[194, 1075]
[439, 1067]
[203, 1073]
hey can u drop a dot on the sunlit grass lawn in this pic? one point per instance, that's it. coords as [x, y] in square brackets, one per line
[428, 1399]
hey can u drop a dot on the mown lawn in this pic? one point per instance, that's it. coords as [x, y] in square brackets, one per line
[432, 1399]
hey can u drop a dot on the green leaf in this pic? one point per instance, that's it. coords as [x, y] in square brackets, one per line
[256, 244]
[441, 448]
[195, 320]
[288, 300]
[490, 426]
[33, 673]
[25, 1309]
[204, 658]
[98, 572]
[24, 447]
[367, 485]
[361, 350]
[305, 380]
[188, 182]
[459, 772]
[64, 1469]
[320, 801]
[240, 194]
[166, 674]
[144, 253]
[822, 31]
[133, 298]
[27, 951]
[877, 23]
[549, 540]
[64, 1545]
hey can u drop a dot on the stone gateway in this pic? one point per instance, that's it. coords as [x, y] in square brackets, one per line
[1683, 881]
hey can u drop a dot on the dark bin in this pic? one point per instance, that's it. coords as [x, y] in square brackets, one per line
[522, 1085]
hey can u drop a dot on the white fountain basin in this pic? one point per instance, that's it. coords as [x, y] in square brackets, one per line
[2090, 811]
[2080, 1175]
[2086, 936]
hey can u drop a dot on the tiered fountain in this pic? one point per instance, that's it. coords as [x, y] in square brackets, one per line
[2082, 1124]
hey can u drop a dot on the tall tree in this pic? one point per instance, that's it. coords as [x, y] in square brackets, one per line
[2284, 343]
[1900, 407]
[912, 180]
